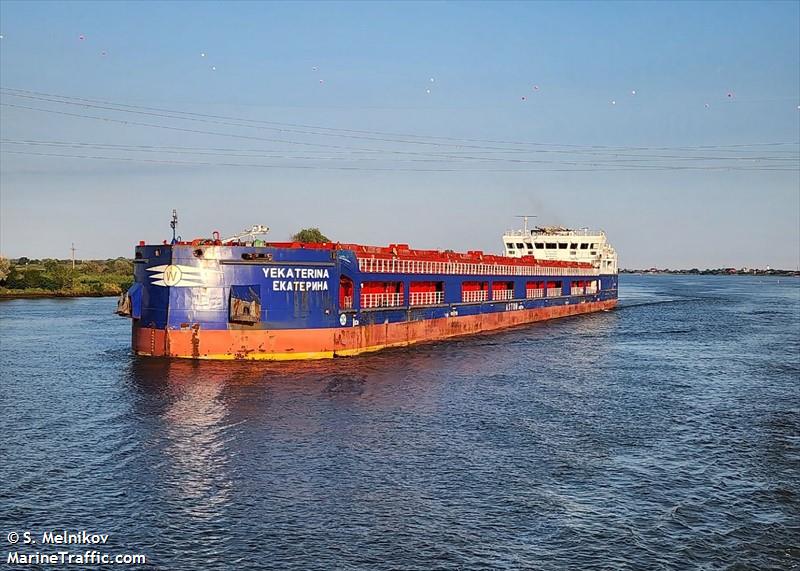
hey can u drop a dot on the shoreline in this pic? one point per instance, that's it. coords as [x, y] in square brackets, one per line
[770, 274]
[67, 295]
[53, 295]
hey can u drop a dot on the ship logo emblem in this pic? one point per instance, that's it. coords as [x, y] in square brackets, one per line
[178, 276]
[172, 275]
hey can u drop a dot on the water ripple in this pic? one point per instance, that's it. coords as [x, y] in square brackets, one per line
[664, 435]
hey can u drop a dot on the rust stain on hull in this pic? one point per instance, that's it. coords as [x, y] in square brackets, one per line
[321, 343]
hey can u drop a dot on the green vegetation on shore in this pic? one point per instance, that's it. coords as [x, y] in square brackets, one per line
[24, 277]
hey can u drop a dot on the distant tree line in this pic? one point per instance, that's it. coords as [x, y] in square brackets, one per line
[27, 276]
[89, 277]
[715, 271]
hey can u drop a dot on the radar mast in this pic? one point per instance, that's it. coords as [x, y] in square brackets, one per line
[525, 220]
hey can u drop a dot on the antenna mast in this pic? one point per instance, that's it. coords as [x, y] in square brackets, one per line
[525, 219]
[174, 225]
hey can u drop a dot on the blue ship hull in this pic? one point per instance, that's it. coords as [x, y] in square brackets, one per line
[223, 301]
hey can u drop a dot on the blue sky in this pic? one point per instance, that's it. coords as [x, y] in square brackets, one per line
[618, 99]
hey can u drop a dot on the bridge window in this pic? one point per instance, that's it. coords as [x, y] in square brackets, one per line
[381, 294]
[520, 246]
[584, 246]
[562, 246]
[573, 246]
[509, 245]
[539, 245]
[426, 293]
[551, 246]
[474, 291]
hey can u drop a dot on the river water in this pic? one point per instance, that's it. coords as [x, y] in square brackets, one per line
[662, 435]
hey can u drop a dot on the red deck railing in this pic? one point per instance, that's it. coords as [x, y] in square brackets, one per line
[401, 259]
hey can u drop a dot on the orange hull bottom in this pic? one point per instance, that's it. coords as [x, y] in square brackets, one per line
[289, 344]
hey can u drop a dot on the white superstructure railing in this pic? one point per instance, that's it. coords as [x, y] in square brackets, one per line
[372, 300]
[503, 294]
[476, 295]
[553, 291]
[400, 266]
[533, 293]
[426, 297]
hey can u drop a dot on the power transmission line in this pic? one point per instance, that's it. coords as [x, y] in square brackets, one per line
[300, 143]
[249, 153]
[610, 158]
[599, 168]
[350, 133]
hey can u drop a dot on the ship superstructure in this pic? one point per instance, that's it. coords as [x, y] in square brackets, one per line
[563, 244]
[249, 298]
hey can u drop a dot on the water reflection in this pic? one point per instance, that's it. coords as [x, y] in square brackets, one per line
[190, 405]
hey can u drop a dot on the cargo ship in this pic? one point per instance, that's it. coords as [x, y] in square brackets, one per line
[245, 297]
